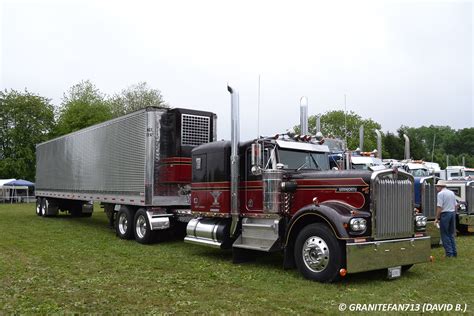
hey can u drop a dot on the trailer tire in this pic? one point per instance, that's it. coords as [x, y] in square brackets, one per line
[318, 254]
[462, 229]
[124, 223]
[44, 207]
[143, 233]
[39, 206]
[406, 267]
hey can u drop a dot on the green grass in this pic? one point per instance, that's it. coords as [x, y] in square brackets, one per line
[76, 265]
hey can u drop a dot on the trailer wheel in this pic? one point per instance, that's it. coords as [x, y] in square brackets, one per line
[142, 231]
[39, 206]
[318, 254]
[124, 223]
[44, 207]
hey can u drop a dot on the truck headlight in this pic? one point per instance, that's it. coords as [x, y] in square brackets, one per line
[358, 224]
[420, 221]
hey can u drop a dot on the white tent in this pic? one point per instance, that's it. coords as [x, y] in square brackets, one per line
[5, 190]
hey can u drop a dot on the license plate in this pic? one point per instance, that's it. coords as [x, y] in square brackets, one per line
[394, 272]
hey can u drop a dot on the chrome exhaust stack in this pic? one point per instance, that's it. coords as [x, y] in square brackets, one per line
[379, 143]
[234, 160]
[361, 138]
[407, 147]
[304, 116]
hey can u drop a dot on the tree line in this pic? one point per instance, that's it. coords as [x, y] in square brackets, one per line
[441, 144]
[27, 119]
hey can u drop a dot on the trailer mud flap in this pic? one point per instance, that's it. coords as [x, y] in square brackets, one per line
[158, 222]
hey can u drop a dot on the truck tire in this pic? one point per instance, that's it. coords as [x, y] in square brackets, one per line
[406, 267]
[44, 207]
[318, 254]
[143, 233]
[124, 223]
[39, 206]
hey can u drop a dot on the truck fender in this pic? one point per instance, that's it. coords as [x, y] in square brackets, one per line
[332, 214]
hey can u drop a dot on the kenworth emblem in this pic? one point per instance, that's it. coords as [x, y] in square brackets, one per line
[215, 195]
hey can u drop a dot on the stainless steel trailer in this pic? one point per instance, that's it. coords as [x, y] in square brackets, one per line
[135, 164]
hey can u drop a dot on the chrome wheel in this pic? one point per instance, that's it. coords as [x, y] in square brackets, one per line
[140, 226]
[315, 254]
[38, 207]
[123, 223]
[44, 208]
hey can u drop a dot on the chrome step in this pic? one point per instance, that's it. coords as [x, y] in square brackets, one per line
[259, 234]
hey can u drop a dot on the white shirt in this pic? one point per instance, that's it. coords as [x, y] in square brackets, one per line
[446, 200]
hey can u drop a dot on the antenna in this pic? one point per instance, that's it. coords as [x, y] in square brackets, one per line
[345, 121]
[258, 109]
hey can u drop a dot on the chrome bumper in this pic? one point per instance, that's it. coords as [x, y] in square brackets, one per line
[465, 219]
[433, 231]
[374, 255]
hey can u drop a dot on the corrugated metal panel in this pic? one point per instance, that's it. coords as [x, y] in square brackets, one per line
[109, 157]
[394, 208]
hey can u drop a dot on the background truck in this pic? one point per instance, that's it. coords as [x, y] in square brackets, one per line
[425, 203]
[277, 194]
[137, 166]
[464, 191]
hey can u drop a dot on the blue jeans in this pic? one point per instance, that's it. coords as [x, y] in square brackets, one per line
[447, 227]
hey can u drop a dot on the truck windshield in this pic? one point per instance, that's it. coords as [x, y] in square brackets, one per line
[298, 160]
[360, 166]
[419, 172]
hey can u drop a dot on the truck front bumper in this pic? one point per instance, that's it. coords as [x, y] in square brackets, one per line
[433, 231]
[375, 255]
[466, 219]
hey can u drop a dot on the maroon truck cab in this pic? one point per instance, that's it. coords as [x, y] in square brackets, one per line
[327, 222]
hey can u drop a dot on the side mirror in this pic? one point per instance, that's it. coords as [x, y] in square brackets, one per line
[335, 168]
[256, 158]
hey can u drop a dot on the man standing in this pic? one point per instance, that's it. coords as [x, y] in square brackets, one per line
[446, 216]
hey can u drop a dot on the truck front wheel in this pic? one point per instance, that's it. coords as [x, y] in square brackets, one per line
[124, 223]
[143, 232]
[318, 254]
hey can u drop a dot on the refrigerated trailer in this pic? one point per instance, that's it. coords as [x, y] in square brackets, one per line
[137, 166]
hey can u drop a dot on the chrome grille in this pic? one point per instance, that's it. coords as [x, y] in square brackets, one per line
[470, 197]
[428, 200]
[393, 208]
[195, 130]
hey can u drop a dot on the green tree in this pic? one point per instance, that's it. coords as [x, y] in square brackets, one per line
[333, 124]
[82, 106]
[418, 145]
[134, 98]
[392, 146]
[26, 119]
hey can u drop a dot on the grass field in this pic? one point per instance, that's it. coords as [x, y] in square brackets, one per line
[76, 265]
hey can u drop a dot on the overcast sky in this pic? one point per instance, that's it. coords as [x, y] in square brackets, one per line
[398, 62]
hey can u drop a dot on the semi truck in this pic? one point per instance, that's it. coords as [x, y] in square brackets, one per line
[425, 203]
[278, 194]
[137, 166]
[464, 191]
[155, 169]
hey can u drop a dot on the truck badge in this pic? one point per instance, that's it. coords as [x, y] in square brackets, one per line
[215, 195]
